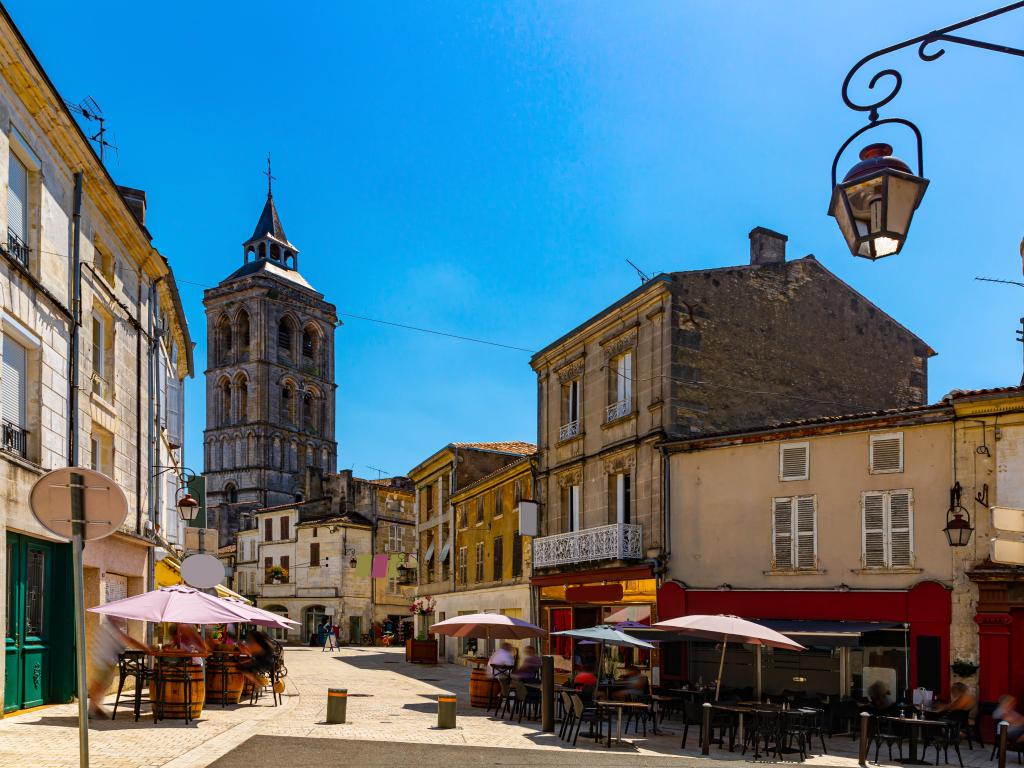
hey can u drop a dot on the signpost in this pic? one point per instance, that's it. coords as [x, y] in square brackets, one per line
[1008, 545]
[79, 504]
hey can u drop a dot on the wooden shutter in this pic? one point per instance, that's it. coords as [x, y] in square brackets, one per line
[314, 554]
[17, 198]
[285, 562]
[284, 527]
[901, 528]
[794, 461]
[887, 453]
[268, 530]
[268, 563]
[517, 555]
[873, 529]
[806, 532]
[782, 533]
[12, 383]
[498, 559]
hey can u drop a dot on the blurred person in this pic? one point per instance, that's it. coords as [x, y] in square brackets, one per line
[960, 699]
[878, 693]
[262, 656]
[107, 644]
[529, 665]
[1007, 710]
[503, 656]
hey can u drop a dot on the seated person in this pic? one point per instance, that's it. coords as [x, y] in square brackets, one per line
[584, 679]
[960, 699]
[261, 656]
[185, 638]
[1007, 710]
[635, 682]
[503, 656]
[878, 693]
[529, 667]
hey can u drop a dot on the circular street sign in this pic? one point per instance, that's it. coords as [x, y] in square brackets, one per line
[202, 571]
[105, 506]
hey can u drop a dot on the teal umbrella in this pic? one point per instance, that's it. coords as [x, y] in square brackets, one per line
[604, 635]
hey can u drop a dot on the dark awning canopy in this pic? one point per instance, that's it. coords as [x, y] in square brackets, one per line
[830, 633]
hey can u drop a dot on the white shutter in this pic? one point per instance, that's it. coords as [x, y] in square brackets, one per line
[806, 532]
[17, 197]
[782, 533]
[886, 453]
[574, 508]
[873, 530]
[98, 353]
[624, 377]
[794, 461]
[12, 383]
[901, 528]
[574, 400]
[174, 409]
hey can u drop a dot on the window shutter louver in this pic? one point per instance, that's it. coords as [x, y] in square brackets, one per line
[794, 462]
[782, 532]
[887, 453]
[900, 528]
[17, 198]
[874, 530]
[12, 383]
[806, 547]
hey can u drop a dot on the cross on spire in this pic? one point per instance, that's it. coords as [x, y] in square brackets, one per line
[270, 178]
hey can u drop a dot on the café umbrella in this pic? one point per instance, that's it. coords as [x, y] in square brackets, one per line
[725, 628]
[604, 635]
[490, 626]
[181, 604]
[261, 617]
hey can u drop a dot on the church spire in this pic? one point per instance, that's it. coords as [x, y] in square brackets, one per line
[268, 240]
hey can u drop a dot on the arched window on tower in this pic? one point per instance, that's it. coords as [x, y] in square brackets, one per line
[311, 348]
[285, 338]
[242, 334]
[287, 403]
[275, 252]
[224, 390]
[263, 250]
[231, 493]
[224, 340]
[309, 412]
[242, 389]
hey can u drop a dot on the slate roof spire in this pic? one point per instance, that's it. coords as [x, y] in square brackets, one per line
[268, 240]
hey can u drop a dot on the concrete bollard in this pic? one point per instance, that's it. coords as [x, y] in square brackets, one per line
[705, 729]
[865, 718]
[446, 705]
[337, 703]
[1001, 743]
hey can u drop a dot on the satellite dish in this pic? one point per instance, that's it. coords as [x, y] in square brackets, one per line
[105, 505]
[202, 571]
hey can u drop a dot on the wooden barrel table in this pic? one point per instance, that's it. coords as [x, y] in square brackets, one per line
[172, 697]
[483, 689]
[224, 681]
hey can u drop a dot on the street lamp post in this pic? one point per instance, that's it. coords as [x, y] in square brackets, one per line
[876, 200]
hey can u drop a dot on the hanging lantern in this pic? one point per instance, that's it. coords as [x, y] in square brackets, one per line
[875, 203]
[958, 528]
[188, 508]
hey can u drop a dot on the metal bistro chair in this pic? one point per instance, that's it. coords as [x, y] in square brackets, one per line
[586, 714]
[941, 739]
[763, 730]
[888, 732]
[568, 714]
[527, 700]
[131, 664]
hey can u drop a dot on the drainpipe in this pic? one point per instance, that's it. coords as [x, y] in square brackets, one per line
[76, 325]
[154, 509]
[666, 502]
[138, 408]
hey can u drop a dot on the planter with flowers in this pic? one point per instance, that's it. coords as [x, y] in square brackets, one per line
[277, 575]
[421, 650]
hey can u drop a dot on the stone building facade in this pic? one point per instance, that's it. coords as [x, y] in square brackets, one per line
[684, 354]
[269, 380]
[128, 419]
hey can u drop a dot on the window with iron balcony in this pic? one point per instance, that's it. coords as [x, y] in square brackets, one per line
[620, 390]
[570, 410]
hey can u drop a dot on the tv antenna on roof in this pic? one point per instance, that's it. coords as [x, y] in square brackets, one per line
[643, 276]
[89, 109]
[1020, 331]
[380, 472]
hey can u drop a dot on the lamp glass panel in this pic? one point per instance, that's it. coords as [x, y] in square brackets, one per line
[903, 197]
[841, 212]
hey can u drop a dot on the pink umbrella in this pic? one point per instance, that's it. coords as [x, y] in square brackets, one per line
[174, 604]
[492, 626]
[725, 628]
[259, 616]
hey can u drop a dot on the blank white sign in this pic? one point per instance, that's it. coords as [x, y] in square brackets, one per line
[1007, 552]
[1008, 519]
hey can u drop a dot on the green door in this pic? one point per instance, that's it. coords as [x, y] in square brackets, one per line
[28, 623]
[355, 630]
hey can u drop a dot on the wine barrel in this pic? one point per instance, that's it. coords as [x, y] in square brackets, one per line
[483, 689]
[172, 694]
[224, 683]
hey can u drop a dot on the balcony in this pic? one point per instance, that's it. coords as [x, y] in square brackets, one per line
[14, 439]
[616, 410]
[619, 541]
[17, 247]
[570, 430]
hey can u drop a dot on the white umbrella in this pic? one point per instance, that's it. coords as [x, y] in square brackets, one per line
[725, 628]
[492, 626]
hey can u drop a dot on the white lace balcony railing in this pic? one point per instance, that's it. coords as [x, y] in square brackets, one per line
[617, 410]
[569, 430]
[619, 541]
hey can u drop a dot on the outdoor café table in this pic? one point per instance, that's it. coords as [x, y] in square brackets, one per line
[608, 705]
[914, 726]
[737, 711]
[477, 661]
[165, 695]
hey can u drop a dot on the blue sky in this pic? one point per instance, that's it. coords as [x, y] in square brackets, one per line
[485, 169]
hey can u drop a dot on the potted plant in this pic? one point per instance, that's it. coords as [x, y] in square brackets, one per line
[277, 574]
[421, 650]
[964, 667]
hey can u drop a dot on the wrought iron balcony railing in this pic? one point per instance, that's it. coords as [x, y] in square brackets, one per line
[617, 410]
[619, 541]
[569, 430]
[17, 247]
[14, 439]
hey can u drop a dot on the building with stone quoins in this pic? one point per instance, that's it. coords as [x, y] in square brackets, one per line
[269, 379]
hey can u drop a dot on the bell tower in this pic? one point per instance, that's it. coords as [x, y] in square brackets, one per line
[269, 378]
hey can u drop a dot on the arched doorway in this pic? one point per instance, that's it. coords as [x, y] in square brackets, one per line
[281, 635]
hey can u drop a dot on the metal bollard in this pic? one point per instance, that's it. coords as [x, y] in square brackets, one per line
[547, 694]
[705, 729]
[337, 703]
[1002, 728]
[446, 711]
[865, 718]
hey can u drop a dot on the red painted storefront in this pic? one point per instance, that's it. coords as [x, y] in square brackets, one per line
[926, 608]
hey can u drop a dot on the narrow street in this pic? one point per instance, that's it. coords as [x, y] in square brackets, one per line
[391, 720]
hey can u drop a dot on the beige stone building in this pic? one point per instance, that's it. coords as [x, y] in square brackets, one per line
[124, 418]
[808, 524]
[685, 354]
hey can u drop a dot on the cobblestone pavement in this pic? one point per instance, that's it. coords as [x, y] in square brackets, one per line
[389, 700]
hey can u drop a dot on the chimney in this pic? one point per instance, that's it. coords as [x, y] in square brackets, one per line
[767, 247]
[136, 199]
